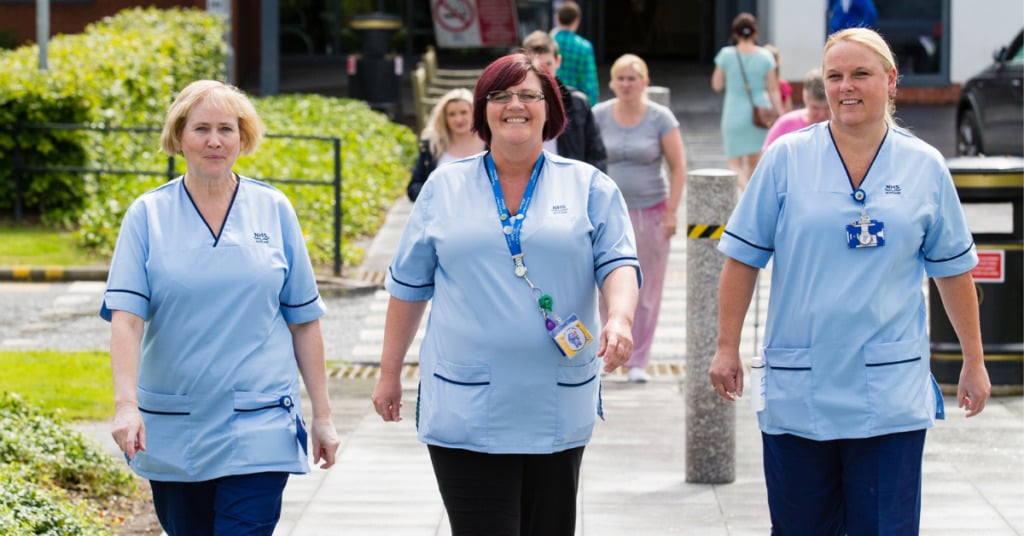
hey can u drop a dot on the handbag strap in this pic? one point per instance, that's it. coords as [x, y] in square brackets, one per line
[746, 84]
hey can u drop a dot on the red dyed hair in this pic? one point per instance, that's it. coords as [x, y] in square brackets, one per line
[506, 72]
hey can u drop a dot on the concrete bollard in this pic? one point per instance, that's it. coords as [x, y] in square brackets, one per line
[660, 95]
[710, 421]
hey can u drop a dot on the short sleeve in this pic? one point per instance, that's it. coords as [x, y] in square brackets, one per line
[613, 241]
[948, 244]
[300, 298]
[749, 235]
[411, 274]
[666, 121]
[128, 280]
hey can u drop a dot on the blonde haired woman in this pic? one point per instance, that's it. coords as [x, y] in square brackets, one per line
[853, 213]
[637, 135]
[447, 137]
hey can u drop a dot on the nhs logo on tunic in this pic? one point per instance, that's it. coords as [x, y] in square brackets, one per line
[892, 189]
[261, 238]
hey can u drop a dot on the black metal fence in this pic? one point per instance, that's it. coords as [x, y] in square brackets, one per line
[21, 170]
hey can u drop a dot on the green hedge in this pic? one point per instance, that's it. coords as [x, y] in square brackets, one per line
[123, 70]
[49, 473]
[138, 60]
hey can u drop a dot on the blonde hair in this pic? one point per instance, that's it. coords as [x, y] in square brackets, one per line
[436, 132]
[874, 42]
[221, 96]
[631, 61]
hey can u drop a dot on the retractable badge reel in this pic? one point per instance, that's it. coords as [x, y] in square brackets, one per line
[864, 232]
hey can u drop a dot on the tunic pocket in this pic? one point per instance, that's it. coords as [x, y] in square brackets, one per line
[899, 384]
[458, 411]
[168, 434]
[263, 428]
[577, 402]
[788, 389]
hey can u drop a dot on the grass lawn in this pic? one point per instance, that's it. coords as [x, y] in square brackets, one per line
[42, 247]
[77, 383]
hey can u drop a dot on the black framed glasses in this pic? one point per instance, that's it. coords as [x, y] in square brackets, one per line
[526, 96]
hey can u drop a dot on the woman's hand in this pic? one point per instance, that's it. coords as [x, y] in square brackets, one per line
[387, 397]
[325, 442]
[726, 373]
[670, 223]
[616, 342]
[129, 431]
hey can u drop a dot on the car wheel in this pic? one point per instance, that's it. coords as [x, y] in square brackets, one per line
[968, 135]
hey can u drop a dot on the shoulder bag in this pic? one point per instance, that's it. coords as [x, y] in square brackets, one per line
[763, 117]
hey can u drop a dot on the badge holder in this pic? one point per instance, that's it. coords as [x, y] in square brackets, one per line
[865, 232]
[570, 335]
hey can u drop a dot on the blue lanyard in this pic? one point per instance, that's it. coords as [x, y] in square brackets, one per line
[511, 226]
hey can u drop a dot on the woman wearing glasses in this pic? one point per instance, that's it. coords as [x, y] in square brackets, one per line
[639, 135]
[511, 246]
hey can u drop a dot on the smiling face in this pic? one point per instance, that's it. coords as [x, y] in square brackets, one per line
[515, 123]
[858, 84]
[210, 141]
[458, 116]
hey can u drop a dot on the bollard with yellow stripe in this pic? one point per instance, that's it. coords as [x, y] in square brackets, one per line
[700, 230]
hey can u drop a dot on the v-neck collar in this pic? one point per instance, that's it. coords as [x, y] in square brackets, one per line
[227, 214]
[843, 162]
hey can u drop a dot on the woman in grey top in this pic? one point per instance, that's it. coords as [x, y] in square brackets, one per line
[638, 134]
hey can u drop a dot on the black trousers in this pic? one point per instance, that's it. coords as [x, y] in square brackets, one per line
[508, 494]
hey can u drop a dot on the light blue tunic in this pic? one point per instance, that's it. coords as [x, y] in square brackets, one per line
[218, 385]
[739, 134]
[846, 339]
[492, 379]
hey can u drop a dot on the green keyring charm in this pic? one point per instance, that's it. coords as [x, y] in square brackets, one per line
[545, 302]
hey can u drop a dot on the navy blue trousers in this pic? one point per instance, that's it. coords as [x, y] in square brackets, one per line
[855, 487]
[231, 505]
[508, 494]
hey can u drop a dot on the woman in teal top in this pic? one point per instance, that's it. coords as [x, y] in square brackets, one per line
[213, 307]
[742, 139]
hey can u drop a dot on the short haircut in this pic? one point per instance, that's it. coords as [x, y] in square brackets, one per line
[568, 13]
[223, 97]
[506, 72]
[540, 42]
[632, 61]
[814, 86]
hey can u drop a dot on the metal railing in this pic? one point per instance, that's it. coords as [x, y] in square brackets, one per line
[21, 170]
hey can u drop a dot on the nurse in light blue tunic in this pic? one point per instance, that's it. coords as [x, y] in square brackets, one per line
[511, 247]
[214, 308]
[854, 213]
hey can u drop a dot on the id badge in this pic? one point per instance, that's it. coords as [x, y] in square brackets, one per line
[865, 233]
[571, 336]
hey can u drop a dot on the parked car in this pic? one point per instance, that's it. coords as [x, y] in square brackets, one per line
[990, 114]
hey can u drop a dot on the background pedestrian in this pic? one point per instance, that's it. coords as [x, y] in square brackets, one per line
[746, 72]
[447, 137]
[640, 135]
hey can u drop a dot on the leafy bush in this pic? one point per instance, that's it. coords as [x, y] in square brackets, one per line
[376, 156]
[136, 61]
[49, 473]
[47, 450]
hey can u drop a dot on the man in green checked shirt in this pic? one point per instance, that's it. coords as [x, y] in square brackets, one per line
[578, 67]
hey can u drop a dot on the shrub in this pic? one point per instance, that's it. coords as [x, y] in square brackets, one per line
[49, 473]
[136, 61]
